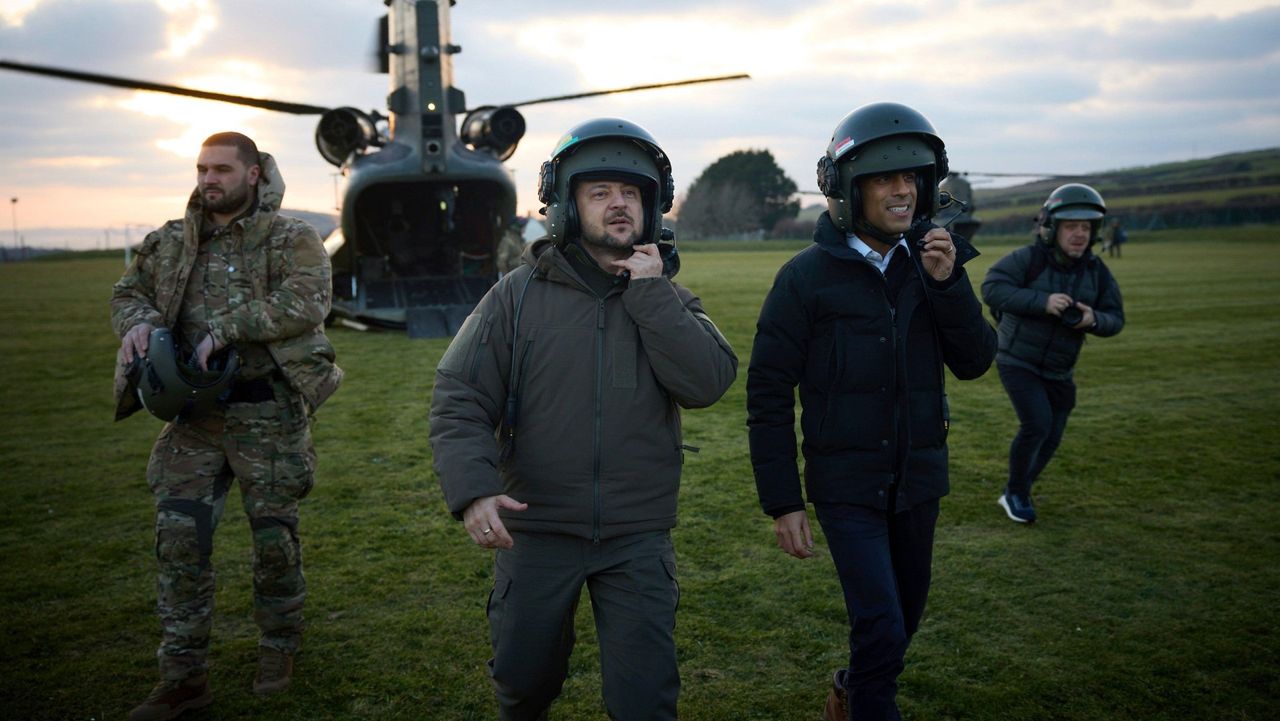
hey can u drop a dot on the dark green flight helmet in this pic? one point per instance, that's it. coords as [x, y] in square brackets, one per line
[173, 387]
[1073, 201]
[879, 138]
[609, 148]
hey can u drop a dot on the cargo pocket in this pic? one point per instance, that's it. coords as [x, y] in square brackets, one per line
[293, 474]
[496, 609]
[669, 565]
[160, 459]
[463, 346]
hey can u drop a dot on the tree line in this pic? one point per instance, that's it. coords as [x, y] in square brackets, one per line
[744, 194]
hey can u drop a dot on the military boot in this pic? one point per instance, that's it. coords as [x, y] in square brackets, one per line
[275, 671]
[170, 699]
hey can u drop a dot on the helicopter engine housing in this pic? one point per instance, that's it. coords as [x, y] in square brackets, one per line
[343, 132]
[496, 130]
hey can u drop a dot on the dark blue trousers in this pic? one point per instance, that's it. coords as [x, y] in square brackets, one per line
[1042, 406]
[884, 562]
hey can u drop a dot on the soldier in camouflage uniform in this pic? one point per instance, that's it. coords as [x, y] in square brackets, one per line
[511, 247]
[231, 272]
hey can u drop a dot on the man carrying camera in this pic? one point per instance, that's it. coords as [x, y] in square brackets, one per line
[1047, 296]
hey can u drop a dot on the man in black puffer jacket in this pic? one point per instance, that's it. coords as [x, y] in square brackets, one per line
[863, 321]
[1048, 295]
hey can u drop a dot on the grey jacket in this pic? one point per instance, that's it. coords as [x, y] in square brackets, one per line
[591, 438]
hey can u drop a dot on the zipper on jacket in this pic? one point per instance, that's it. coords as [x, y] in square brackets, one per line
[899, 390]
[598, 423]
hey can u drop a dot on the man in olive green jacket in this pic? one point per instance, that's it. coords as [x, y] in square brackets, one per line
[231, 273]
[580, 360]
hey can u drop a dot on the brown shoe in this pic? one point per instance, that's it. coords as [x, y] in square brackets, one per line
[170, 699]
[837, 699]
[275, 671]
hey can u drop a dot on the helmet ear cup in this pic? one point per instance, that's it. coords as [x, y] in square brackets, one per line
[828, 177]
[1044, 226]
[571, 227]
[855, 199]
[546, 182]
[924, 196]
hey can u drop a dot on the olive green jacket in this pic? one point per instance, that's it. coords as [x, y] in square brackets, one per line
[279, 296]
[589, 434]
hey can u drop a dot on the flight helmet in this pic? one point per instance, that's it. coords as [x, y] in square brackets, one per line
[605, 148]
[879, 138]
[171, 385]
[1073, 201]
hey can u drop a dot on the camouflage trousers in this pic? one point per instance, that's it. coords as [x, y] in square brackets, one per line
[267, 447]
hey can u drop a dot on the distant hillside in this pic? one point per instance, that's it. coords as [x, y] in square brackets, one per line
[1231, 189]
[324, 223]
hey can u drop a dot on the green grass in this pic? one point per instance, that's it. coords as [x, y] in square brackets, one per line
[1147, 591]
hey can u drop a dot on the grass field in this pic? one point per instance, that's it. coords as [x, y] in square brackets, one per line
[1148, 590]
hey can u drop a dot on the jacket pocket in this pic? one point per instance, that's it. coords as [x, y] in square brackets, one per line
[461, 351]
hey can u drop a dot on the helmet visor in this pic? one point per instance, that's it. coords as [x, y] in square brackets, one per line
[899, 152]
[1077, 212]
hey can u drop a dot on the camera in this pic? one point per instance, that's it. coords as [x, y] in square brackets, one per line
[1071, 316]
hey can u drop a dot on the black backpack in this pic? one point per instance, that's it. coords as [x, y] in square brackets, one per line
[1039, 259]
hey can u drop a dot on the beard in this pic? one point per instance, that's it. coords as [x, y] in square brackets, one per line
[231, 198]
[601, 238]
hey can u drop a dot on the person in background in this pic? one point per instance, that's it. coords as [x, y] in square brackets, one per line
[1048, 296]
[232, 273]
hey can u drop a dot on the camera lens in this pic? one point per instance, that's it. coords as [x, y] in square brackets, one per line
[1071, 316]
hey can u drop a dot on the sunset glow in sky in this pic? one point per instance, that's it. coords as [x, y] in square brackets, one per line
[1011, 85]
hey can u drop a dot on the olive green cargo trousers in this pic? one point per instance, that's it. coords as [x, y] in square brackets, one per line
[632, 583]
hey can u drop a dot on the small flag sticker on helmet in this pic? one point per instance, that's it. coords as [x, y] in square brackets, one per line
[844, 145]
[566, 141]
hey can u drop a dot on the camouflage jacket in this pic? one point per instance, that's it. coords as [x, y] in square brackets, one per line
[280, 301]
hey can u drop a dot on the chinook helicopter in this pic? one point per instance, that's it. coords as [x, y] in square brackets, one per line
[958, 189]
[426, 199]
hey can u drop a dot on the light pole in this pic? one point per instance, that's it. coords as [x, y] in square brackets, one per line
[14, 203]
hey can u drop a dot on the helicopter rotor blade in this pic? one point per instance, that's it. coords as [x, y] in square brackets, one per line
[114, 81]
[558, 98]
[981, 174]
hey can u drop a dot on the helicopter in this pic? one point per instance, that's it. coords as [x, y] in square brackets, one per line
[426, 198]
[958, 188]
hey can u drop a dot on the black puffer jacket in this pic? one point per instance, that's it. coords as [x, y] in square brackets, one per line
[1031, 338]
[828, 327]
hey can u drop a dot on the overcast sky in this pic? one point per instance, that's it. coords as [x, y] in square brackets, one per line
[1011, 85]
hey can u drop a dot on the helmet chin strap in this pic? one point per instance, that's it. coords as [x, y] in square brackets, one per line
[862, 228]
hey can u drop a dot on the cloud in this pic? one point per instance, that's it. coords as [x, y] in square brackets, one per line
[1009, 84]
[76, 161]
